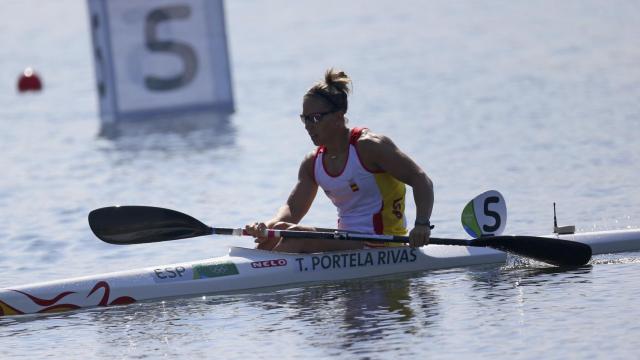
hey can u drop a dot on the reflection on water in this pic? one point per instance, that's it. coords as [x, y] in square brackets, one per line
[195, 131]
[343, 316]
[621, 258]
[333, 318]
[358, 318]
[358, 311]
[494, 283]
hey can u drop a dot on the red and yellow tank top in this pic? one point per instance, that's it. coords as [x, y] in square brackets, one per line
[367, 201]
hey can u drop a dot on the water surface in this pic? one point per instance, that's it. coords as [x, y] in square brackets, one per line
[538, 100]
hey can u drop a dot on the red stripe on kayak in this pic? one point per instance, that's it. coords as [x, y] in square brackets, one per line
[45, 302]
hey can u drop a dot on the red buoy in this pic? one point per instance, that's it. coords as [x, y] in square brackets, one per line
[29, 81]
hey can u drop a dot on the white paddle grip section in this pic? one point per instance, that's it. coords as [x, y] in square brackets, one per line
[156, 57]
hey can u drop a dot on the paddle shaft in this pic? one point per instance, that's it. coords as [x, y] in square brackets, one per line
[339, 235]
[553, 251]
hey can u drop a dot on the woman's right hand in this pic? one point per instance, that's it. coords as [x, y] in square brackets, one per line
[257, 230]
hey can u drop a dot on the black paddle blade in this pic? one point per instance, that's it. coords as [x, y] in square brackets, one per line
[124, 225]
[549, 250]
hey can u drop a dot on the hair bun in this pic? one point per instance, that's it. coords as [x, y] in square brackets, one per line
[334, 89]
[337, 81]
[331, 76]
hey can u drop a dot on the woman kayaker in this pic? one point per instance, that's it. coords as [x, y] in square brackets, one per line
[363, 173]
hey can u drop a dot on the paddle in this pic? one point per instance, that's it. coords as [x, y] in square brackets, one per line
[126, 225]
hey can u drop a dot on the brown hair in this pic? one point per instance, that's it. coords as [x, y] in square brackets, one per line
[334, 89]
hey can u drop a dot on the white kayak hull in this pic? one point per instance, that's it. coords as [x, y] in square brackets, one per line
[244, 269]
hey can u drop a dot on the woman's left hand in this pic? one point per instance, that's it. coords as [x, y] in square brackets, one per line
[419, 236]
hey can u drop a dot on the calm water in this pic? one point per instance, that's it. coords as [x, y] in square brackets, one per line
[538, 100]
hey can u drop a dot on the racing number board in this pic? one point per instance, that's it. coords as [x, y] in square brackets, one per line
[158, 56]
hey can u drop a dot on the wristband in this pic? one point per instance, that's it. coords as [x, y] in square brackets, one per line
[420, 222]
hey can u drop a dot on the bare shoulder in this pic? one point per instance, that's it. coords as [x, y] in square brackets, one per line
[379, 153]
[308, 162]
[372, 142]
[310, 156]
[373, 149]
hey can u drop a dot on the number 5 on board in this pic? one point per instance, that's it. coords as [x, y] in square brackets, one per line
[157, 56]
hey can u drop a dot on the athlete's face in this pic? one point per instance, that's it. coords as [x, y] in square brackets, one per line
[319, 118]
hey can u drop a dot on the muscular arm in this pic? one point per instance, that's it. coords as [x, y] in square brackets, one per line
[300, 198]
[380, 153]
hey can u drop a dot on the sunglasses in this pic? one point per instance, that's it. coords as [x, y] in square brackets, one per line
[314, 118]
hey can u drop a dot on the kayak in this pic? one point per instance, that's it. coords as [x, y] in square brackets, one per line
[245, 269]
